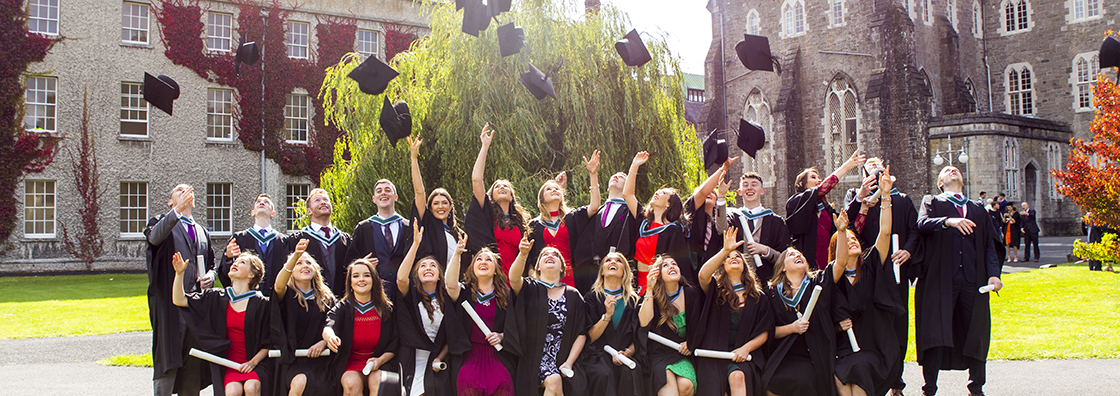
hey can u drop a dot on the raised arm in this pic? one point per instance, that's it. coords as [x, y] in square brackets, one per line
[841, 223]
[478, 182]
[710, 184]
[855, 160]
[178, 296]
[406, 265]
[632, 182]
[593, 175]
[721, 206]
[281, 285]
[451, 275]
[419, 194]
[886, 214]
[645, 313]
[709, 268]
[518, 266]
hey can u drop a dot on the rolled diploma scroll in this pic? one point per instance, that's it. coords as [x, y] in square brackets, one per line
[664, 341]
[750, 238]
[478, 321]
[369, 367]
[212, 358]
[439, 366]
[622, 358]
[275, 353]
[201, 268]
[567, 372]
[812, 302]
[852, 340]
[987, 288]
[386, 376]
[897, 266]
[706, 353]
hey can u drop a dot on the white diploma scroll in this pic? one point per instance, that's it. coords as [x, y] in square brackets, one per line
[812, 303]
[478, 321]
[275, 353]
[212, 358]
[567, 372]
[622, 358]
[750, 238]
[368, 368]
[439, 366]
[201, 268]
[897, 266]
[706, 353]
[664, 341]
[852, 340]
[987, 288]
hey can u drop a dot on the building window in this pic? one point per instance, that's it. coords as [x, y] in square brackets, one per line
[134, 23]
[1053, 163]
[695, 95]
[977, 20]
[219, 206]
[1020, 98]
[134, 110]
[1015, 16]
[927, 12]
[911, 8]
[134, 208]
[219, 114]
[1085, 9]
[836, 12]
[219, 31]
[42, 17]
[296, 38]
[754, 23]
[367, 43]
[1085, 67]
[295, 193]
[297, 118]
[758, 112]
[842, 121]
[38, 209]
[1011, 168]
[793, 12]
[971, 88]
[951, 12]
[39, 103]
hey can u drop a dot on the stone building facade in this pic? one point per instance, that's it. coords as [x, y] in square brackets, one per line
[1004, 80]
[142, 151]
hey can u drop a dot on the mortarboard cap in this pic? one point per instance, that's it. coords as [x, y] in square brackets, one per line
[160, 91]
[498, 6]
[476, 17]
[373, 76]
[715, 149]
[538, 83]
[510, 39]
[1110, 53]
[632, 50]
[396, 121]
[248, 53]
[751, 137]
[459, 4]
[754, 52]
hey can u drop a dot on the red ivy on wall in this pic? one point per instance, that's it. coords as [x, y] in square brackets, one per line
[262, 89]
[397, 39]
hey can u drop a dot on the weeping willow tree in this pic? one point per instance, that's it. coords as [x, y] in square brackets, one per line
[455, 83]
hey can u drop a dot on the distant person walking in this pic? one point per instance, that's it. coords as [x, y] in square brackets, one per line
[1011, 233]
[1028, 223]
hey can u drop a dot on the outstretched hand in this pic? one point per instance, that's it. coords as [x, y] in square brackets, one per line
[840, 220]
[462, 245]
[640, 158]
[885, 182]
[413, 145]
[525, 245]
[301, 247]
[178, 263]
[417, 233]
[592, 164]
[855, 160]
[486, 136]
[730, 239]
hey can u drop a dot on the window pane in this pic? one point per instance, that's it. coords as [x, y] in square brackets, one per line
[39, 203]
[295, 193]
[134, 23]
[219, 114]
[219, 200]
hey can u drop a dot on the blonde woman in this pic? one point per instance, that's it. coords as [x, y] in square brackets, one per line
[612, 307]
[672, 308]
[303, 300]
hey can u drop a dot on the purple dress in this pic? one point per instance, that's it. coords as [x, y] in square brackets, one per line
[482, 373]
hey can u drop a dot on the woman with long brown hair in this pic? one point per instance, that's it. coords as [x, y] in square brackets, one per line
[422, 302]
[613, 305]
[360, 329]
[494, 218]
[671, 308]
[302, 314]
[558, 226]
[808, 213]
[737, 318]
[483, 371]
[436, 213]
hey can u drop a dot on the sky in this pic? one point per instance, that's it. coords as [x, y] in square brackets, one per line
[686, 25]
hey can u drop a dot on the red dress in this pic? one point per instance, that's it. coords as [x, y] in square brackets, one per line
[645, 248]
[507, 239]
[367, 333]
[560, 242]
[235, 331]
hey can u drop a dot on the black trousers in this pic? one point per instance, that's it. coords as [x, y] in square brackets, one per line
[1031, 238]
[964, 294]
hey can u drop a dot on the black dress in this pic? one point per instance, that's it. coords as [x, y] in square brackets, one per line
[656, 356]
[206, 316]
[413, 336]
[874, 305]
[673, 240]
[341, 319]
[603, 376]
[301, 328]
[802, 364]
[526, 331]
[583, 271]
[727, 330]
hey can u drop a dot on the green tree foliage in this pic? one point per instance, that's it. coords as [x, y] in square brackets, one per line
[455, 83]
[1106, 251]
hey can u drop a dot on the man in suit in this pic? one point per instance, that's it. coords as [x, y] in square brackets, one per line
[983, 198]
[952, 320]
[384, 237]
[1028, 220]
[262, 240]
[167, 234]
[329, 244]
[768, 230]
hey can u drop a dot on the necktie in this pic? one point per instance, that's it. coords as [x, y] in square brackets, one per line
[606, 215]
[960, 208]
[707, 234]
[264, 245]
[327, 234]
[388, 236]
[190, 233]
[750, 225]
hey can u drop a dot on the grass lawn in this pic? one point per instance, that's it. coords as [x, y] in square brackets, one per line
[144, 360]
[72, 305]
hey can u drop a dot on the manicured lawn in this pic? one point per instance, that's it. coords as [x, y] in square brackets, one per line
[72, 305]
[144, 360]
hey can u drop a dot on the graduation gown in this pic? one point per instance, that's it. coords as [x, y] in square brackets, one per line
[674, 242]
[874, 306]
[773, 234]
[603, 376]
[206, 316]
[802, 218]
[341, 319]
[301, 328]
[274, 258]
[168, 328]
[410, 328]
[656, 356]
[525, 333]
[697, 230]
[435, 238]
[480, 225]
[754, 319]
[574, 222]
[459, 334]
[809, 372]
[933, 305]
[369, 238]
[332, 259]
[596, 240]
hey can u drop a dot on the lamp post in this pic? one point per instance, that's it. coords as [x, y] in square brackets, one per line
[962, 157]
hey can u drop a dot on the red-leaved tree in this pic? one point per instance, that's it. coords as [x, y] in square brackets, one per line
[87, 243]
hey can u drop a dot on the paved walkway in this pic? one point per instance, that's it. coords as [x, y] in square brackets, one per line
[66, 366]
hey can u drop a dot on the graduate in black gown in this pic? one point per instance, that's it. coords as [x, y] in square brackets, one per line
[483, 371]
[360, 330]
[866, 302]
[672, 309]
[952, 319]
[329, 244]
[612, 227]
[547, 328]
[771, 237]
[737, 316]
[904, 223]
[435, 213]
[612, 307]
[495, 219]
[559, 226]
[422, 307]
[233, 322]
[383, 237]
[268, 244]
[302, 300]
[707, 219]
[808, 213]
[802, 351]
